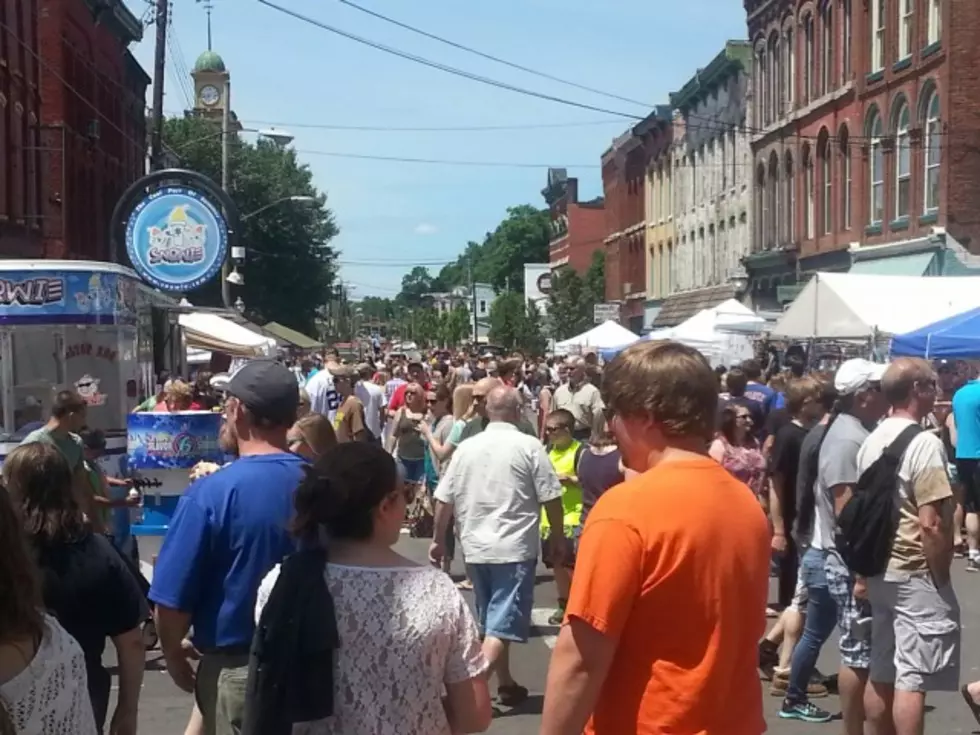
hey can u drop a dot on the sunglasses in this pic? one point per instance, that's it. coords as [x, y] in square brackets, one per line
[553, 429]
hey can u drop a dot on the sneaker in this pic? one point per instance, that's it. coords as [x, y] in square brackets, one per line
[972, 565]
[557, 617]
[804, 711]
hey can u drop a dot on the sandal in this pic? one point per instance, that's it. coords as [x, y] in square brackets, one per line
[464, 585]
[974, 707]
[511, 696]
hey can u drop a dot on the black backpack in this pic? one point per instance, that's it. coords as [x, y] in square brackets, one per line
[867, 523]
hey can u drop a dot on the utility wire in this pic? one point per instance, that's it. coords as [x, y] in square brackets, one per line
[443, 161]
[490, 57]
[444, 67]
[434, 129]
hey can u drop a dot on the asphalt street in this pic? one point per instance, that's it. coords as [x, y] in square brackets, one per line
[164, 709]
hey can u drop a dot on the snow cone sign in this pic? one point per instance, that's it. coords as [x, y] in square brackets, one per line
[177, 238]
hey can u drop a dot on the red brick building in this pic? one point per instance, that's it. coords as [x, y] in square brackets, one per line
[93, 121]
[624, 167]
[20, 104]
[578, 227]
[866, 133]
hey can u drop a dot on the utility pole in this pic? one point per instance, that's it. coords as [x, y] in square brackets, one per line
[225, 145]
[476, 324]
[159, 71]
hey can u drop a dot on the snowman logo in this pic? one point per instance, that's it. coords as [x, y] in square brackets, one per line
[88, 389]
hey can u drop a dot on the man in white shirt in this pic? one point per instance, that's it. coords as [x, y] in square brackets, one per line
[580, 398]
[372, 396]
[324, 398]
[915, 630]
[496, 484]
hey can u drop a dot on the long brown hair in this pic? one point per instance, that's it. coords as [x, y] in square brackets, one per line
[40, 481]
[317, 432]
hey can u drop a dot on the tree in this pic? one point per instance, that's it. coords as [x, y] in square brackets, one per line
[568, 311]
[521, 238]
[457, 326]
[532, 339]
[506, 314]
[291, 267]
[595, 278]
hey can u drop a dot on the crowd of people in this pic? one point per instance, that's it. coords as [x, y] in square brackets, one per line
[662, 493]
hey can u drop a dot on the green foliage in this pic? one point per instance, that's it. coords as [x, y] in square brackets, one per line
[516, 326]
[290, 267]
[457, 326]
[572, 298]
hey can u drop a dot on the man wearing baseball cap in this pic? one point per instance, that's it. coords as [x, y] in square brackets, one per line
[832, 594]
[228, 531]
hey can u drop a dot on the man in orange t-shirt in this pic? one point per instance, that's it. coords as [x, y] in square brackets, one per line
[671, 581]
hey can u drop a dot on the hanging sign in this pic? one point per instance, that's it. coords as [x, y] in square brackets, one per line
[177, 238]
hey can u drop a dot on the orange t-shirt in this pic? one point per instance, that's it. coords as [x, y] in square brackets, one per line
[675, 565]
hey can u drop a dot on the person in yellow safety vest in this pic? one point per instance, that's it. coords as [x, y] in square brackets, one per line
[564, 452]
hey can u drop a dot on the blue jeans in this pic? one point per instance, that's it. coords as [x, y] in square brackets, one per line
[821, 616]
[504, 597]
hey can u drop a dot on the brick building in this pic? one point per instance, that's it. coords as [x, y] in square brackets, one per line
[20, 104]
[865, 145]
[578, 228]
[657, 134]
[624, 167]
[93, 122]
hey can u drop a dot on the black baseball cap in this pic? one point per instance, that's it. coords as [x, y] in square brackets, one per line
[268, 390]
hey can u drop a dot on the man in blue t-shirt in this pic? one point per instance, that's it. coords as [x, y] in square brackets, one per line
[228, 531]
[966, 417]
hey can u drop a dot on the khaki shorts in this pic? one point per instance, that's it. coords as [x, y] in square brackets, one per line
[915, 633]
[220, 692]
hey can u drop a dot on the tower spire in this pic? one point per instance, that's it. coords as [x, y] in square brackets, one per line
[208, 6]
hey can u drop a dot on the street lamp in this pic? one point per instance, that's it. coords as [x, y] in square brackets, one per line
[297, 199]
[279, 137]
[238, 254]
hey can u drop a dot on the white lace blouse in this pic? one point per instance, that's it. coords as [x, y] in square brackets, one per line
[405, 632]
[50, 696]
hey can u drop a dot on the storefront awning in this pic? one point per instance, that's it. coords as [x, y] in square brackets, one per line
[680, 307]
[217, 334]
[912, 264]
[297, 339]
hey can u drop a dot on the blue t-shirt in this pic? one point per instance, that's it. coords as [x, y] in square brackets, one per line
[229, 530]
[966, 414]
[760, 393]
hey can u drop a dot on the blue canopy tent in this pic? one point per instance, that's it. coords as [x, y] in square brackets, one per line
[957, 336]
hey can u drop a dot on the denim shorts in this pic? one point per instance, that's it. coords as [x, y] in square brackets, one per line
[504, 598]
[414, 469]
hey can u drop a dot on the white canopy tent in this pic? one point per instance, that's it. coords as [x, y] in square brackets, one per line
[211, 332]
[858, 306]
[608, 334]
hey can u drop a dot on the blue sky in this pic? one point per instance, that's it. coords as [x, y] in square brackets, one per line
[287, 72]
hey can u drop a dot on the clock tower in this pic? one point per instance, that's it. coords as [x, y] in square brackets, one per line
[211, 89]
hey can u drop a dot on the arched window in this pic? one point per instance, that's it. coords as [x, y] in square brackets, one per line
[846, 178]
[846, 34]
[667, 270]
[789, 69]
[903, 161]
[763, 85]
[790, 198]
[775, 78]
[827, 49]
[933, 135]
[876, 169]
[826, 183]
[807, 193]
[774, 196]
[808, 58]
[761, 209]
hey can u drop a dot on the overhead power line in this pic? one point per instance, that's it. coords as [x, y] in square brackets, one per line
[434, 129]
[444, 67]
[490, 57]
[445, 162]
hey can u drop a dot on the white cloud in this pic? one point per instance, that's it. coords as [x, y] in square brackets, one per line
[426, 228]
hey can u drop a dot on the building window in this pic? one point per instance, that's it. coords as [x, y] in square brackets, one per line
[877, 35]
[790, 199]
[668, 270]
[846, 179]
[903, 163]
[808, 59]
[876, 170]
[790, 70]
[483, 307]
[933, 136]
[826, 183]
[775, 78]
[807, 193]
[935, 20]
[827, 51]
[774, 196]
[846, 33]
[905, 37]
[761, 210]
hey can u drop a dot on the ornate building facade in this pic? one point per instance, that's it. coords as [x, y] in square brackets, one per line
[711, 186]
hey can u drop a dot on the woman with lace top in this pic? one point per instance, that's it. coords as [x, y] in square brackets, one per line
[43, 688]
[409, 660]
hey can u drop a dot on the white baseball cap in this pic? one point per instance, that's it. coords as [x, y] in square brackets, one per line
[856, 375]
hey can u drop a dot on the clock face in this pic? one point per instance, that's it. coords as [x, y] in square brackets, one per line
[210, 95]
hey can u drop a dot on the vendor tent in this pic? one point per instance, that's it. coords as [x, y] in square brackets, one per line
[214, 333]
[859, 306]
[956, 337]
[291, 336]
[607, 334]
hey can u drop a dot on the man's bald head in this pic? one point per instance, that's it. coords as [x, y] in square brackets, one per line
[504, 404]
[908, 379]
[483, 387]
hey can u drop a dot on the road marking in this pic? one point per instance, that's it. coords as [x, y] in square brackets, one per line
[539, 621]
